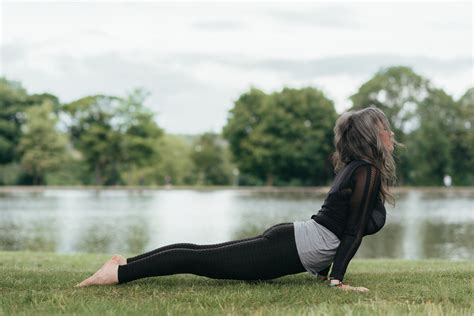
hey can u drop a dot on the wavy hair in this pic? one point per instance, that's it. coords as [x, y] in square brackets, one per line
[356, 137]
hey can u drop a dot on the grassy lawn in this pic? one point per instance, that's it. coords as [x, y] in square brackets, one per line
[42, 283]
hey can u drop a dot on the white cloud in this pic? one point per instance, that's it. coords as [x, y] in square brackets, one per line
[196, 58]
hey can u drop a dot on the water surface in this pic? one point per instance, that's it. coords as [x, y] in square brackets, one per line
[424, 224]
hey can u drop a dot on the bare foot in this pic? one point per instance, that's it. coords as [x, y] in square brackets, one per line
[108, 274]
[121, 260]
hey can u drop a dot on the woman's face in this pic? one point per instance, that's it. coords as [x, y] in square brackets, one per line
[386, 137]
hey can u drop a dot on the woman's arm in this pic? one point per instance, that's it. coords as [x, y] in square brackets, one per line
[365, 185]
[323, 274]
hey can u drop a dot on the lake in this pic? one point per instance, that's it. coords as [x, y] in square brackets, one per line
[436, 223]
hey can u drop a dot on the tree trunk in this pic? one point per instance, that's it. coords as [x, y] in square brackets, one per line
[98, 178]
[269, 180]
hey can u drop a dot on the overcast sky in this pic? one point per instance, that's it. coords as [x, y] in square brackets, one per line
[197, 58]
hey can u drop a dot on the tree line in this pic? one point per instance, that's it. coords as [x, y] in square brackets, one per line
[283, 138]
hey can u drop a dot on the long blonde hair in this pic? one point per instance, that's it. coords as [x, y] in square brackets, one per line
[356, 137]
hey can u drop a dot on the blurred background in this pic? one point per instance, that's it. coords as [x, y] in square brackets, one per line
[125, 126]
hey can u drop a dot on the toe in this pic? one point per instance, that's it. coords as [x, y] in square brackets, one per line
[87, 282]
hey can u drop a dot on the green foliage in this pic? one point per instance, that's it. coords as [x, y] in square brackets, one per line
[74, 171]
[10, 173]
[46, 98]
[462, 141]
[139, 136]
[397, 91]
[114, 135]
[282, 136]
[243, 119]
[304, 118]
[13, 102]
[41, 146]
[210, 165]
[93, 134]
[175, 164]
[427, 121]
[430, 144]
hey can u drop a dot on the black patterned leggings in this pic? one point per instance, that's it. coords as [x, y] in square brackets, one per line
[270, 255]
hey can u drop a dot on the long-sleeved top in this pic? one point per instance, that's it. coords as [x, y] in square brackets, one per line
[352, 210]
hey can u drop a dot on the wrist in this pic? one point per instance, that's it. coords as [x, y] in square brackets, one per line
[335, 282]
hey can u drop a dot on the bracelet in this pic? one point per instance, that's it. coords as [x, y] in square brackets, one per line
[336, 285]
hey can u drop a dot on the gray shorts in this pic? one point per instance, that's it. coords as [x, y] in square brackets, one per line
[316, 245]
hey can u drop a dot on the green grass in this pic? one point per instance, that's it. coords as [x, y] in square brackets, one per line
[42, 283]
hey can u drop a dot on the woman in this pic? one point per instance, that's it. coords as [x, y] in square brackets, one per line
[354, 207]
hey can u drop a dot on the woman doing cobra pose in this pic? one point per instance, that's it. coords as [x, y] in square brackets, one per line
[353, 208]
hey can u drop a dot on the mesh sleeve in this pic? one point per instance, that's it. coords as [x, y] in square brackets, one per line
[325, 271]
[365, 184]
[377, 218]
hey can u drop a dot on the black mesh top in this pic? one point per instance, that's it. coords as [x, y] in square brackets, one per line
[352, 210]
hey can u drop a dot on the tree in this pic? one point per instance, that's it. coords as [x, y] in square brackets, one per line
[209, 161]
[430, 144]
[92, 132]
[46, 97]
[304, 118]
[398, 91]
[115, 135]
[13, 103]
[175, 166]
[462, 150]
[283, 137]
[42, 147]
[242, 121]
[140, 134]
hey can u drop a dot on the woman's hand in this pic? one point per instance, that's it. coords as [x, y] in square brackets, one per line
[339, 285]
[347, 287]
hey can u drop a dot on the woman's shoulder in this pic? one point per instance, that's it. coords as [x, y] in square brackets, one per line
[358, 162]
[355, 169]
[355, 164]
[344, 177]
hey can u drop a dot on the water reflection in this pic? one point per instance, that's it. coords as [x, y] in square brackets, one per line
[36, 236]
[385, 244]
[448, 240]
[424, 224]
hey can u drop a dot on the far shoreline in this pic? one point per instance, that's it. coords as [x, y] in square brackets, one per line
[320, 189]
